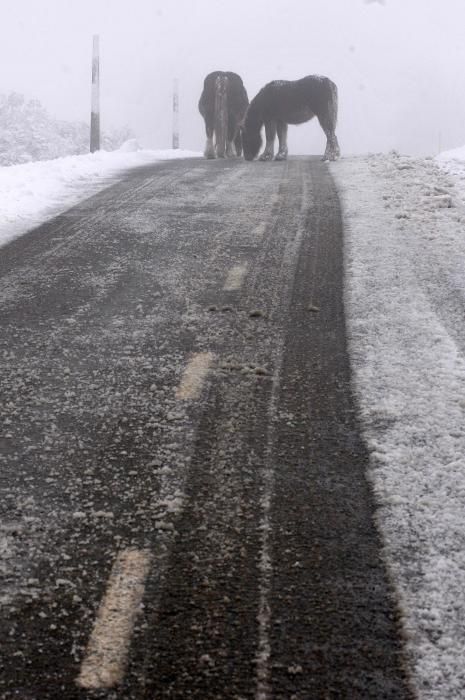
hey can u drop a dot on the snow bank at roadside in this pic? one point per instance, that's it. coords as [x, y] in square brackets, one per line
[405, 306]
[453, 163]
[33, 192]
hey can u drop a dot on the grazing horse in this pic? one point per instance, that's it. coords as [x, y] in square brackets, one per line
[223, 104]
[284, 102]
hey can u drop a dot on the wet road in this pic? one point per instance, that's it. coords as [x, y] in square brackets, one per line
[185, 512]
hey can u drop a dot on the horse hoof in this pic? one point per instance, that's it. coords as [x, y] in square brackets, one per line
[266, 156]
[281, 156]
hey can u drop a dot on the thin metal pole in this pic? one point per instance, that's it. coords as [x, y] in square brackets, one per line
[95, 106]
[175, 114]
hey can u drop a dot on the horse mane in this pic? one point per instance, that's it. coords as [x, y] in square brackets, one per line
[251, 133]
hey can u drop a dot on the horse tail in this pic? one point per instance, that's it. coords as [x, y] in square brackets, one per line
[238, 142]
[221, 114]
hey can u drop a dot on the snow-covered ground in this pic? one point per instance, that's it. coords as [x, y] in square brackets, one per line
[405, 302]
[31, 193]
[405, 299]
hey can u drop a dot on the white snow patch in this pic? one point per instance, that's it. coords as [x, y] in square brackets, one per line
[130, 146]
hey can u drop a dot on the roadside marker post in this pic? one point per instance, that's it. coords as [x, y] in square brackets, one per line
[95, 98]
[175, 114]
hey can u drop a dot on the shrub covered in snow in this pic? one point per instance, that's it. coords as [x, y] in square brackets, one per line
[29, 133]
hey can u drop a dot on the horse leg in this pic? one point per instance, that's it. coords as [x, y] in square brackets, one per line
[332, 151]
[282, 138]
[209, 147]
[270, 133]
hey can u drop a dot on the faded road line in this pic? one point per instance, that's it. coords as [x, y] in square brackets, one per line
[235, 278]
[259, 230]
[194, 376]
[105, 661]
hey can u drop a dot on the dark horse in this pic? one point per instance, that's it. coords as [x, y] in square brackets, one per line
[223, 104]
[284, 102]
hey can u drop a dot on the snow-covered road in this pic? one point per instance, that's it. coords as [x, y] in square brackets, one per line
[405, 303]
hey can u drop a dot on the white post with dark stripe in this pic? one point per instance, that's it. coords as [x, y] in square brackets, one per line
[175, 114]
[95, 106]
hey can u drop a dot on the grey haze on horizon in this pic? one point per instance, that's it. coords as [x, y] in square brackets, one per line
[399, 64]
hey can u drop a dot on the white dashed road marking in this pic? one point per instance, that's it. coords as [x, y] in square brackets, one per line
[235, 278]
[105, 662]
[194, 376]
[259, 230]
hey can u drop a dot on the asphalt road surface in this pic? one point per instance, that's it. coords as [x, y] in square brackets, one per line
[185, 511]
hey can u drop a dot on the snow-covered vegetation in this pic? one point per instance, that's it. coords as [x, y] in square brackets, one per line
[29, 133]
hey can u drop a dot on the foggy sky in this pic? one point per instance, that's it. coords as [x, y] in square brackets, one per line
[399, 65]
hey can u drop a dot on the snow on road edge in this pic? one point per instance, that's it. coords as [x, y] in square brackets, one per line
[33, 192]
[405, 301]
